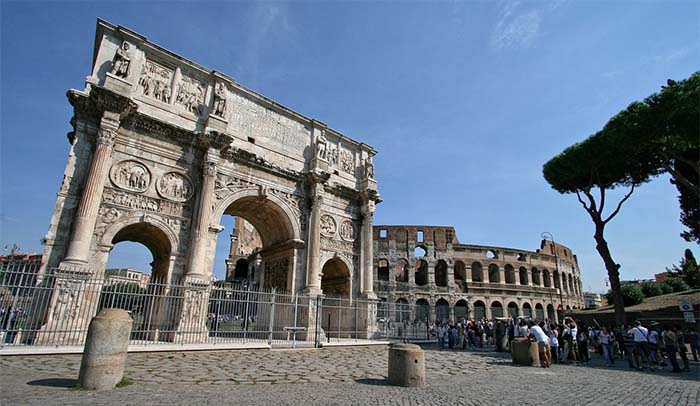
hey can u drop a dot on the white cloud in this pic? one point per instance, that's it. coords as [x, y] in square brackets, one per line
[519, 24]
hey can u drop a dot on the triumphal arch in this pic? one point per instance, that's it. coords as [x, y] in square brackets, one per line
[162, 148]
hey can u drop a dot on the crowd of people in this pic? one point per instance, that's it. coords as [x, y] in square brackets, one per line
[643, 348]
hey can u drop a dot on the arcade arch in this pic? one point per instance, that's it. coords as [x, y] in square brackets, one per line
[441, 273]
[421, 273]
[477, 272]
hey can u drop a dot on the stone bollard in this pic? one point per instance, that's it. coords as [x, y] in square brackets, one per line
[524, 352]
[105, 350]
[406, 365]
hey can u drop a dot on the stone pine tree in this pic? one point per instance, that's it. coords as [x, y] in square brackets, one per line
[670, 137]
[590, 169]
[658, 135]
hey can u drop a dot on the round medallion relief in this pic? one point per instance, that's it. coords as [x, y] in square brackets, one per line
[328, 225]
[131, 175]
[175, 186]
[347, 230]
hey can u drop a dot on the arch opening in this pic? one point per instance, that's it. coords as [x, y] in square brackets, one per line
[460, 277]
[421, 270]
[496, 309]
[461, 310]
[477, 272]
[383, 270]
[494, 274]
[335, 278]
[441, 273]
[479, 310]
[510, 274]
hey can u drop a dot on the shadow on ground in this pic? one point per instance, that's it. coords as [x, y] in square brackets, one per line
[55, 382]
[373, 381]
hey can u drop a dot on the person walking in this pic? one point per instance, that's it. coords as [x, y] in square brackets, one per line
[671, 340]
[641, 345]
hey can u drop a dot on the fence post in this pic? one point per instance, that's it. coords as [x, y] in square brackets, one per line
[317, 343]
[245, 314]
[272, 316]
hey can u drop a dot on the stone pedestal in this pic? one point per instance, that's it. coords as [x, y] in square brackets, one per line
[216, 123]
[406, 365]
[117, 84]
[192, 326]
[106, 346]
[70, 304]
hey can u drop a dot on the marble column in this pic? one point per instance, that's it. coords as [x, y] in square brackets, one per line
[313, 269]
[200, 231]
[368, 249]
[86, 216]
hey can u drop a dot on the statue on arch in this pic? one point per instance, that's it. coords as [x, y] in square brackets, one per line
[121, 62]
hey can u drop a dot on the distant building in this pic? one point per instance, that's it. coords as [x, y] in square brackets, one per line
[113, 276]
[592, 300]
[661, 277]
[245, 244]
[636, 281]
[19, 270]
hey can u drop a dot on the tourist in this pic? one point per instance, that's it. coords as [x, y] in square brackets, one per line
[582, 339]
[543, 346]
[671, 340]
[606, 339]
[682, 349]
[641, 345]
[693, 338]
[570, 343]
[654, 343]
[554, 342]
[442, 331]
[452, 335]
[628, 339]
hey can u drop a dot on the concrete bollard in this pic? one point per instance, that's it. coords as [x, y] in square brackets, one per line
[406, 365]
[105, 350]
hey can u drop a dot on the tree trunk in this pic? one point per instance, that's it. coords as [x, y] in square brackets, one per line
[613, 272]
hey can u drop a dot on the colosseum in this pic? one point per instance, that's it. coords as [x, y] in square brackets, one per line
[425, 273]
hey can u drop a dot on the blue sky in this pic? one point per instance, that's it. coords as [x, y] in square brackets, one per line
[464, 101]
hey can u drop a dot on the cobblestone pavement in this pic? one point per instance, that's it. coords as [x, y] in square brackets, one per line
[339, 376]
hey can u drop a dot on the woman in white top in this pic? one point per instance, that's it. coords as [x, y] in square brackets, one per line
[606, 339]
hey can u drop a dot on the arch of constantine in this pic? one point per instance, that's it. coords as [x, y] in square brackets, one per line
[162, 148]
[424, 269]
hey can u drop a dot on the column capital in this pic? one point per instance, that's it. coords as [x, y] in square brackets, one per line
[107, 132]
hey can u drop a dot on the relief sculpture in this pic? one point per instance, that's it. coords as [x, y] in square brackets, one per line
[347, 231]
[131, 175]
[175, 186]
[328, 225]
[190, 95]
[66, 306]
[347, 162]
[276, 273]
[155, 81]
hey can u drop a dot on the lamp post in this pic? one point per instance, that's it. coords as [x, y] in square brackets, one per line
[547, 235]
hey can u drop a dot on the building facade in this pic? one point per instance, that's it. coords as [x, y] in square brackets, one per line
[423, 271]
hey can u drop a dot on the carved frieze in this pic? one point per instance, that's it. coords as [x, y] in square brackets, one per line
[337, 245]
[155, 81]
[328, 225]
[131, 175]
[190, 95]
[347, 162]
[141, 202]
[276, 273]
[347, 230]
[224, 185]
[175, 186]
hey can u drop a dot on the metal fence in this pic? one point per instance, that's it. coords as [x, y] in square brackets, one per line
[55, 310]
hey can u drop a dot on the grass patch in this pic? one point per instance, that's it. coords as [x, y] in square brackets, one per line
[124, 382]
[79, 387]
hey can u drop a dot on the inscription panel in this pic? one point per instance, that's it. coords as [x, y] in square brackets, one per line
[253, 120]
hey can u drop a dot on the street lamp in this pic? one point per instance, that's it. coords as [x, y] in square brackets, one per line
[545, 236]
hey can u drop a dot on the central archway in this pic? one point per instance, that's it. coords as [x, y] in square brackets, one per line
[276, 224]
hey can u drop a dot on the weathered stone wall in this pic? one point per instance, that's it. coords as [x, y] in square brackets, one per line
[508, 275]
